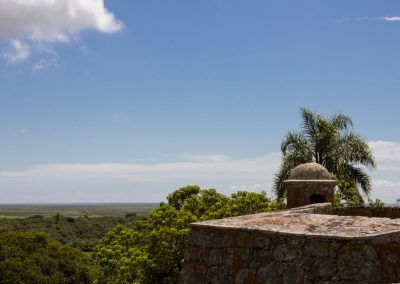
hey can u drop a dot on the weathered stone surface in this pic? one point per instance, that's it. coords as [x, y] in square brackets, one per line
[218, 274]
[309, 183]
[294, 246]
[303, 221]
[310, 171]
[245, 276]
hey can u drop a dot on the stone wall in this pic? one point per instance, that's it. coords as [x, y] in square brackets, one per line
[228, 255]
[382, 212]
[311, 244]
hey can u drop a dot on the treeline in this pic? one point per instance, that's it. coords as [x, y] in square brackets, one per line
[119, 250]
[83, 232]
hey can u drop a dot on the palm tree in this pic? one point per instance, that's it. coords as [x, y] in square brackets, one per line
[329, 142]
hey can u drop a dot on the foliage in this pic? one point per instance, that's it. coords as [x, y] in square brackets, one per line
[154, 251]
[82, 232]
[32, 257]
[178, 197]
[244, 203]
[376, 203]
[329, 142]
[347, 195]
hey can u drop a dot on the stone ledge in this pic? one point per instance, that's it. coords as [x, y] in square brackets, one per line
[312, 220]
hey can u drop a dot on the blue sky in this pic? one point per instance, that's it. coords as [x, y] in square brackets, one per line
[125, 101]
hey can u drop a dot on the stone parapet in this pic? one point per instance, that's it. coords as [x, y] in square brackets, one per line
[302, 245]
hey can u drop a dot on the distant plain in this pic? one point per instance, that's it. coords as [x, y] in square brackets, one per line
[12, 211]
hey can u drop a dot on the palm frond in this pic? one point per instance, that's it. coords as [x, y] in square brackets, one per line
[357, 176]
[295, 142]
[354, 149]
[309, 123]
[290, 161]
[341, 121]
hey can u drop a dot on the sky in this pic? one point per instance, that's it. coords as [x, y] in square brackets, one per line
[126, 101]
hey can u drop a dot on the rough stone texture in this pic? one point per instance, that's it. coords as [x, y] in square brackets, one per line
[300, 192]
[309, 183]
[310, 171]
[383, 212]
[304, 245]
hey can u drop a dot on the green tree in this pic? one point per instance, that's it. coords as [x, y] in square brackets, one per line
[347, 195]
[32, 257]
[178, 197]
[244, 203]
[154, 251]
[331, 143]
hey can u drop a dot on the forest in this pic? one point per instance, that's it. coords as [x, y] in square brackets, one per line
[135, 248]
[114, 249]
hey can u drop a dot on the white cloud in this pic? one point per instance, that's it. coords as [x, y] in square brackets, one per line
[385, 178]
[139, 182]
[38, 22]
[256, 168]
[390, 19]
[387, 155]
[386, 190]
[385, 150]
[45, 63]
[357, 19]
[257, 187]
[18, 51]
[206, 158]
[381, 183]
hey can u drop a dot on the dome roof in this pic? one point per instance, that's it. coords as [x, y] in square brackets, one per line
[310, 171]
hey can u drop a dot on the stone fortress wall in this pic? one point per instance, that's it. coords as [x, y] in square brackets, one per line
[314, 243]
[294, 246]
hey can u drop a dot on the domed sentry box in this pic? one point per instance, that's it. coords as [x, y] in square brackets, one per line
[309, 183]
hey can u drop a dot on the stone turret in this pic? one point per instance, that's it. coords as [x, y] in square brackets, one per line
[309, 183]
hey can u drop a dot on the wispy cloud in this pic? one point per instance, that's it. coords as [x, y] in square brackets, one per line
[206, 158]
[381, 183]
[387, 154]
[257, 187]
[142, 182]
[387, 190]
[356, 19]
[29, 24]
[390, 19]
[359, 19]
[139, 182]
[17, 52]
[205, 169]
[45, 63]
[385, 150]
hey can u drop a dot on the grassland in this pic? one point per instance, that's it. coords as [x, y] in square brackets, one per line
[12, 211]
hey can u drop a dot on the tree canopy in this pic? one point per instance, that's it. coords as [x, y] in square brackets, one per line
[330, 142]
[32, 257]
[154, 251]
